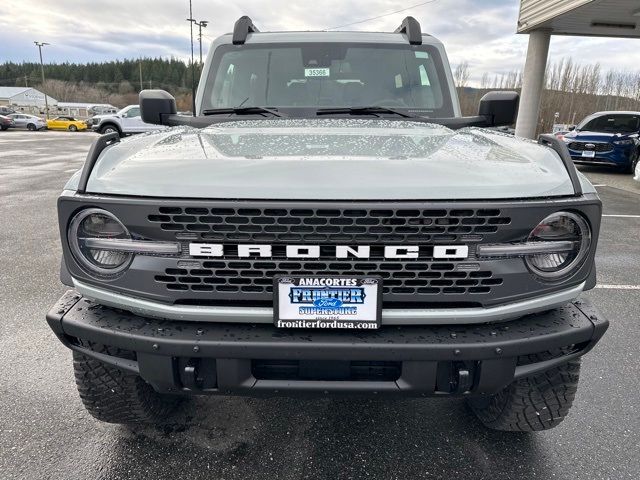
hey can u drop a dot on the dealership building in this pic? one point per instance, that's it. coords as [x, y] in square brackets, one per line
[25, 99]
[542, 19]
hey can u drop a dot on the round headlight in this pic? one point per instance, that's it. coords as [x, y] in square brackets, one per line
[95, 223]
[560, 227]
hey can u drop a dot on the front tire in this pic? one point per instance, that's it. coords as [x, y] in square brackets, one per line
[531, 404]
[31, 127]
[73, 128]
[632, 167]
[114, 396]
[110, 129]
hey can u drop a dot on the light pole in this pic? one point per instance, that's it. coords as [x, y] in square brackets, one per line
[46, 101]
[193, 81]
[201, 24]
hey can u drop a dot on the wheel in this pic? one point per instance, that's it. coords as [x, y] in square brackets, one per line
[110, 129]
[73, 128]
[535, 403]
[114, 396]
[631, 168]
[31, 127]
[4, 128]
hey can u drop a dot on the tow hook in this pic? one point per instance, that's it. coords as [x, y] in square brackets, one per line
[464, 381]
[191, 375]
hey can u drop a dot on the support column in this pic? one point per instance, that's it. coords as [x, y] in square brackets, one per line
[533, 83]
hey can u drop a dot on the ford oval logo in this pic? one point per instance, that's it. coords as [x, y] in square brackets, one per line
[327, 302]
[590, 146]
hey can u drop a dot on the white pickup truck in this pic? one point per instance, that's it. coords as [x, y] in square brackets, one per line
[124, 122]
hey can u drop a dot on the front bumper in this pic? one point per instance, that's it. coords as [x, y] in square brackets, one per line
[618, 157]
[198, 358]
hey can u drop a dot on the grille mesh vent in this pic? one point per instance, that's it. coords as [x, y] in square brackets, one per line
[256, 276]
[352, 226]
[599, 147]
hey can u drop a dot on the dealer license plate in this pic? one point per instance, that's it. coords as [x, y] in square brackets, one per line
[589, 154]
[332, 302]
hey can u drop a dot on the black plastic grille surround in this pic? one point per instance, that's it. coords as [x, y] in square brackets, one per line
[582, 146]
[424, 282]
[353, 225]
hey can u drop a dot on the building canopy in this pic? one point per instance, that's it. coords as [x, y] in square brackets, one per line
[600, 18]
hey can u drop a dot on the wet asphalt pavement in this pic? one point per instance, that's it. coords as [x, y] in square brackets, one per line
[45, 432]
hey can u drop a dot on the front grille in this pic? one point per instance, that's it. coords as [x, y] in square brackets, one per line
[407, 283]
[351, 226]
[231, 278]
[402, 278]
[599, 147]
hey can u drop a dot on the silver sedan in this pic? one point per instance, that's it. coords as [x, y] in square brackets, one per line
[30, 122]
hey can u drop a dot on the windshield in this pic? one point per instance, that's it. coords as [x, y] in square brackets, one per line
[321, 75]
[615, 123]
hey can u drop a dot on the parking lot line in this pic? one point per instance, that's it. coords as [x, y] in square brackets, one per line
[618, 287]
[621, 216]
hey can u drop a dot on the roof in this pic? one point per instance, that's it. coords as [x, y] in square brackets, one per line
[83, 105]
[8, 92]
[608, 18]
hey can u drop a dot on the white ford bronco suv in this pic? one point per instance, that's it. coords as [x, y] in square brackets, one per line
[328, 223]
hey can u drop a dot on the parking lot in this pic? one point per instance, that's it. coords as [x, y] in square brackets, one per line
[46, 433]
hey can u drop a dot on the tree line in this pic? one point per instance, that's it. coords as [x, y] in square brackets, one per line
[572, 91]
[116, 82]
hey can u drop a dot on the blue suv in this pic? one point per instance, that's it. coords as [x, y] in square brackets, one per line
[608, 139]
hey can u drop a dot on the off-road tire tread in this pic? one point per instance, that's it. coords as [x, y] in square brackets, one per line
[535, 403]
[114, 396]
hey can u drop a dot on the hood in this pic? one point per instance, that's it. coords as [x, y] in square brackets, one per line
[588, 136]
[329, 159]
[103, 115]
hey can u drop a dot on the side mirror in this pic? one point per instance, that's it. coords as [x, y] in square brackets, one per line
[499, 108]
[572, 128]
[155, 105]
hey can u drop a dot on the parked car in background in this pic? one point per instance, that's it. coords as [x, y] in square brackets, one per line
[6, 111]
[607, 139]
[561, 134]
[30, 122]
[6, 122]
[66, 123]
[125, 122]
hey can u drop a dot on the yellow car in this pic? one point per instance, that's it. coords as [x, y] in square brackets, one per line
[66, 123]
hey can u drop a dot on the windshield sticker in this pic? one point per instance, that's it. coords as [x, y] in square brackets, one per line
[316, 72]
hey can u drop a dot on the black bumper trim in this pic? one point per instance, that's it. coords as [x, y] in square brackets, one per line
[494, 348]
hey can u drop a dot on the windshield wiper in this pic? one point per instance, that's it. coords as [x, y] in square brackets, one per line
[374, 110]
[242, 111]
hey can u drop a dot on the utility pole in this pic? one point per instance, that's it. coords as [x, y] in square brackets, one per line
[193, 80]
[46, 101]
[201, 24]
[140, 64]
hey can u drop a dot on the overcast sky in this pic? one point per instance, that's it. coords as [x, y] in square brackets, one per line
[481, 32]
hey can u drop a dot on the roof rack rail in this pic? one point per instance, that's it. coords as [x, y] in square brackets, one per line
[243, 27]
[411, 28]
